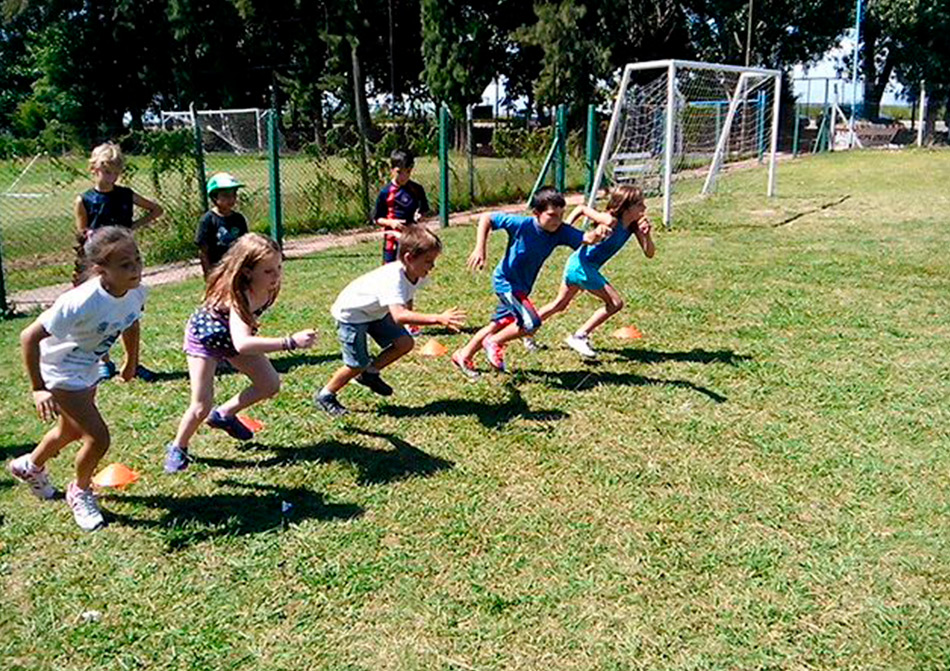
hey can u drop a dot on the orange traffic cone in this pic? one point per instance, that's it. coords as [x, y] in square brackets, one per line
[433, 348]
[115, 475]
[251, 423]
[628, 333]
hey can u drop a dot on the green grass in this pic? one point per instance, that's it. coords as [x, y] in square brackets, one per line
[761, 482]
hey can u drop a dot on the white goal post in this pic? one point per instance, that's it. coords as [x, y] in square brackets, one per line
[675, 116]
[242, 131]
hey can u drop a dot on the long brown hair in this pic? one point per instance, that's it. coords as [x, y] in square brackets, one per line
[229, 280]
[622, 197]
[96, 248]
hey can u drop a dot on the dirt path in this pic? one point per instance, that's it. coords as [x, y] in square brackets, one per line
[179, 271]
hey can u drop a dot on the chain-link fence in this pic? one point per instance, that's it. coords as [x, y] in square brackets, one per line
[324, 184]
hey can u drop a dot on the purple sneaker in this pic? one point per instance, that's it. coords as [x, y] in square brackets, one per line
[176, 458]
[230, 425]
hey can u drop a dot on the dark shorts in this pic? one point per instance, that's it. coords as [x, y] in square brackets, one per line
[208, 335]
[390, 248]
[515, 306]
[352, 339]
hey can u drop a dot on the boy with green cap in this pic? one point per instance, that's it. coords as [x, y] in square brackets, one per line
[222, 224]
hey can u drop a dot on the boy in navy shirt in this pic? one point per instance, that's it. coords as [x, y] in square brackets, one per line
[399, 203]
[222, 224]
[109, 204]
[530, 242]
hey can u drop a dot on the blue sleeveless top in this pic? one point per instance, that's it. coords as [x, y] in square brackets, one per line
[108, 208]
[599, 254]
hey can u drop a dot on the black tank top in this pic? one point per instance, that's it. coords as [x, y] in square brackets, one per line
[108, 208]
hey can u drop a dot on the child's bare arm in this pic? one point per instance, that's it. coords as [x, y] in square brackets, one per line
[386, 222]
[30, 339]
[245, 342]
[595, 235]
[81, 216]
[600, 218]
[152, 210]
[131, 337]
[453, 318]
[476, 260]
[205, 259]
[642, 231]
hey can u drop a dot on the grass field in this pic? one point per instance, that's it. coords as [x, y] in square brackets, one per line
[760, 483]
[36, 206]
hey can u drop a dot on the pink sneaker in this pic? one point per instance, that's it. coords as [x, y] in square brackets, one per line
[465, 367]
[23, 470]
[85, 508]
[495, 354]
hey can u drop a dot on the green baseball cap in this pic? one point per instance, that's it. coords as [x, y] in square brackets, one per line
[222, 180]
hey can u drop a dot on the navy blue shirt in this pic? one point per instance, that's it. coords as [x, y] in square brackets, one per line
[217, 233]
[401, 202]
[108, 208]
[529, 246]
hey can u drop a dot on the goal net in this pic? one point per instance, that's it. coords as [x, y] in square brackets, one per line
[241, 131]
[674, 119]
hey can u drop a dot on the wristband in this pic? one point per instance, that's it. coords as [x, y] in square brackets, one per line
[290, 343]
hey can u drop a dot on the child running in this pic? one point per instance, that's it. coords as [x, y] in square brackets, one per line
[240, 288]
[62, 349]
[110, 204]
[625, 216]
[376, 304]
[530, 242]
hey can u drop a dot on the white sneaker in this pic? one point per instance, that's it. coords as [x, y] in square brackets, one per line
[85, 509]
[581, 346]
[23, 470]
[531, 344]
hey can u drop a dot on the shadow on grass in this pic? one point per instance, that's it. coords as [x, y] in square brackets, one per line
[725, 356]
[375, 466]
[11, 451]
[579, 380]
[491, 415]
[285, 363]
[192, 519]
[443, 331]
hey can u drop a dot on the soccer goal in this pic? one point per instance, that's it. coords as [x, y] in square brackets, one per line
[674, 119]
[242, 131]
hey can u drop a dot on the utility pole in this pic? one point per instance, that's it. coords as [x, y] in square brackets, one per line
[748, 36]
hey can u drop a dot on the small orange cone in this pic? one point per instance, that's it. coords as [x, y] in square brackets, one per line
[628, 333]
[251, 423]
[433, 348]
[115, 475]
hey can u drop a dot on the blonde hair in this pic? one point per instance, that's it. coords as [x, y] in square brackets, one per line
[229, 280]
[622, 197]
[417, 240]
[108, 153]
[97, 248]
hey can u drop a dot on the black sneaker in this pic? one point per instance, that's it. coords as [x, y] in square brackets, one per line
[375, 383]
[329, 404]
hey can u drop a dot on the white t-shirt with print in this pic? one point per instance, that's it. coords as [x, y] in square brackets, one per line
[368, 297]
[83, 323]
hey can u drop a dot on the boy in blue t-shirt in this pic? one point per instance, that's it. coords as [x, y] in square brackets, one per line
[399, 202]
[530, 242]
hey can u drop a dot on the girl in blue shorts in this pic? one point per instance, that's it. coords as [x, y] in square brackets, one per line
[626, 215]
[224, 328]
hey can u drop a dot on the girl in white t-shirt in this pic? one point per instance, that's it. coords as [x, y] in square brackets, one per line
[62, 349]
[378, 304]
[224, 328]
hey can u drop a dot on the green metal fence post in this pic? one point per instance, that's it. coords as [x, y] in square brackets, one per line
[4, 306]
[273, 155]
[560, 168]
[470, 131]
[444, 164]
[795, 132]
[199, 159]
[591, 148]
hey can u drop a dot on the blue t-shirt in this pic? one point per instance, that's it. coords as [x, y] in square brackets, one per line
[529, 246]
[108, 208]
[599, 254]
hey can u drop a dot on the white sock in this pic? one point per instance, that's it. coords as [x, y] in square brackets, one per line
[325, 392]
[580, 335]
[372, 370]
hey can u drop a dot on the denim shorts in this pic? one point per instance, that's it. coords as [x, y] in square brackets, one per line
[579, 274]
[515, 306]
[352, 339]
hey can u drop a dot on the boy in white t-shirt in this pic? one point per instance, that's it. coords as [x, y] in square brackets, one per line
[376, 304]
[62, 349]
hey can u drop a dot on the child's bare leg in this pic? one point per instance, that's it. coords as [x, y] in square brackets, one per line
[475, 344]
[265, 383]
[201, 373]
[511, 332]
[399, 348]
[55, 440]
[613, 304]
[341, 378]
[80, 409]
[563, 299]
